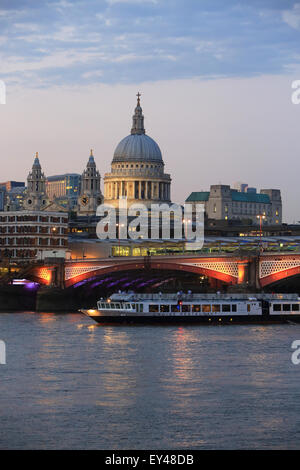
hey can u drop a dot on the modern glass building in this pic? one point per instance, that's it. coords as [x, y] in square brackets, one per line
[64, 188]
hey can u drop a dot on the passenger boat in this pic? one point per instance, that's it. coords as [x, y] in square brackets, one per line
[196, 308]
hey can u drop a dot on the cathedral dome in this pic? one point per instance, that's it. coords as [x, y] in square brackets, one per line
[137, 146]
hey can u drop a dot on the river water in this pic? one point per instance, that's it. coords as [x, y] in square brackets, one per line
[69, 383]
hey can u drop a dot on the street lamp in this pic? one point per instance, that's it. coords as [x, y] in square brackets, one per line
[260, 217]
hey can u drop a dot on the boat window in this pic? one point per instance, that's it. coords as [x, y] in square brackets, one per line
[141, 308]
[295, 307]
[226, 308]
[175, 308]
[186, 308]
[276, 307]
[133, 306]
[153, 308]
[206, 308]
[233, 307]
[216, 308]
[286, 307]
[127, 306]
[196, 308]
[107, 305]
[248, 307]
[165, 308]
[117, 306]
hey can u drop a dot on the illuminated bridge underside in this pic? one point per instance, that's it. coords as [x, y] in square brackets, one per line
[274, 269]
[226, 271]
[257, 271]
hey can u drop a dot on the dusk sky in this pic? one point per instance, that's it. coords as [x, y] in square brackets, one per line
[215, 77]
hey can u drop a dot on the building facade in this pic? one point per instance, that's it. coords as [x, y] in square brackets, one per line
[137, 169]
[9, 185]
[224, 203]
[64, 189]
[2, 198]
[27, 234]
[15, 199]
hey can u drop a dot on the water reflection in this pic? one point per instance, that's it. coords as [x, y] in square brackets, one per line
[72, 386]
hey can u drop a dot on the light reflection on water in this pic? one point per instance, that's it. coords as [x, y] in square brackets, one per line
[70, 383]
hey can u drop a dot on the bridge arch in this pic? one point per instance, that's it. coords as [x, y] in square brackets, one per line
[278, 276]
[156, 265]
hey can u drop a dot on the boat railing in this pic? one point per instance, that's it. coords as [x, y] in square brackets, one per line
[135, 297]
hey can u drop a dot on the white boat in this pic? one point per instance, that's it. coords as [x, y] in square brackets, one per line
[196, 308]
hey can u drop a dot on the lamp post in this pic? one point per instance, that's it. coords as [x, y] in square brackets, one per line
[260, 217]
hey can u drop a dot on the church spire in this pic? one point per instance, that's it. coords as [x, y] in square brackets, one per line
[138, 118]
[36, 162]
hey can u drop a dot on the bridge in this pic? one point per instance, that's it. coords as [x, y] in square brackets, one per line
[257, 271]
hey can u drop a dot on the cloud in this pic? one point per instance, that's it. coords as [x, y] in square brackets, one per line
[292, 17]
[112, 2]
[65, 42]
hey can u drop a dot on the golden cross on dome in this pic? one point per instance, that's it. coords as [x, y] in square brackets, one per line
[138, 95]
[92, 153]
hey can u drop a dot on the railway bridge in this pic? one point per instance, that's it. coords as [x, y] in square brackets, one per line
[255, 270]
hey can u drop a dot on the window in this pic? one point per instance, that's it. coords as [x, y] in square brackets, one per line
[206, 308]
[295, 307]
[233, 308]
[175, 308]
[153, 308]
[196, 308]
[226, 308]
[216, 308]
[186, 308]
[286, 307]
[276, 307]
[248, 307]
[165, 308]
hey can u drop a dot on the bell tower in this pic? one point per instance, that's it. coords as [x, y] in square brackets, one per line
[90, 192]
[36, 198]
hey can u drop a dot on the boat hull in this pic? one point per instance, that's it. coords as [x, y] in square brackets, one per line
[191, 319]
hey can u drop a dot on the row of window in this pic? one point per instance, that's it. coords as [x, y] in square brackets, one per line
[33, 218]
[285, 307]
[33, 229]
[138, 166]
[33, 241]
[205, 308]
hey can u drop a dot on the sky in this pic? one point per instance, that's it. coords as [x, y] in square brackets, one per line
[215, 77]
